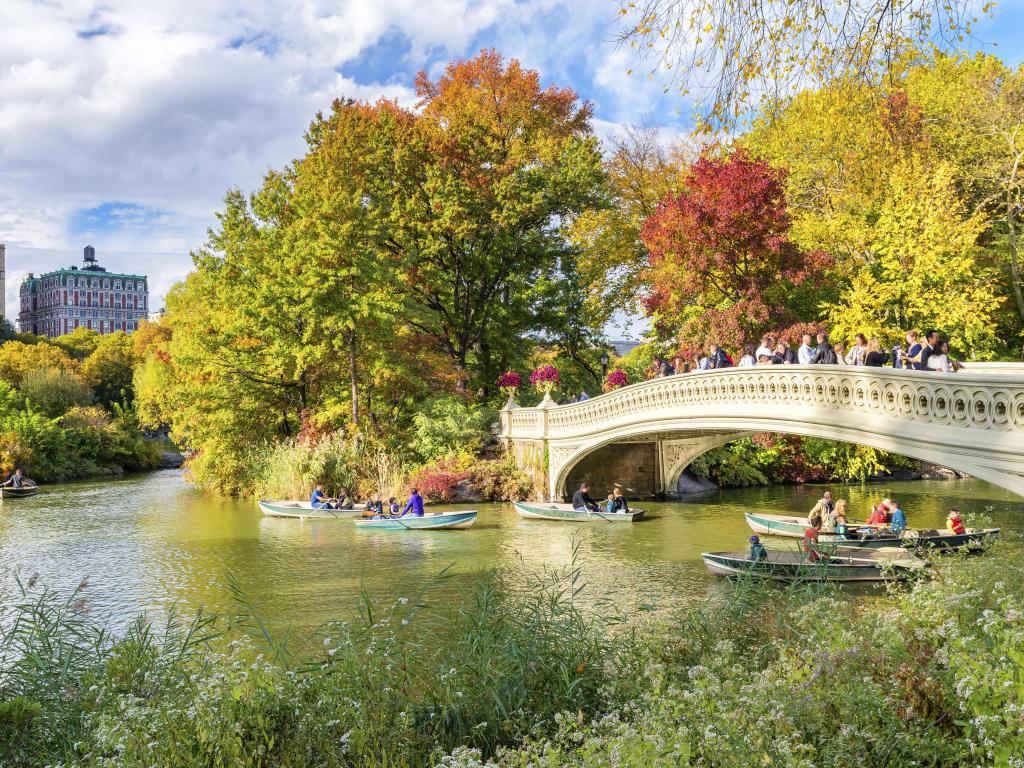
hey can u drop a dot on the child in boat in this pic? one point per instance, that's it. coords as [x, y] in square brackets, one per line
[954, 524]
[757, 550]
[374, 507]
[897, 518]
[879, 515]
[393, 508]
[609, 505]
[841, 526]
[811, 540]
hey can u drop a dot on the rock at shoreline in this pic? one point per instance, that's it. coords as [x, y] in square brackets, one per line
[170, 460]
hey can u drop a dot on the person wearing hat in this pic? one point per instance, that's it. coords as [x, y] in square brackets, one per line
[954, 524]
[757, 550]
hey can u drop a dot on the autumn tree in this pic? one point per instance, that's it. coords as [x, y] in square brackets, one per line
[924, 270]
[499, 167]
[722, 266]
[640, 171]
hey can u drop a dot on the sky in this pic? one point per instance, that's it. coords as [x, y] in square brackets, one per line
[123, 123]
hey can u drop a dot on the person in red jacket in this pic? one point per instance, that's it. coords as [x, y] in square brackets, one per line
[954, 523]
[879, 515]
[810, 543]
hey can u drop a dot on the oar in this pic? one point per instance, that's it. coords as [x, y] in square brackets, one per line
[595, 512]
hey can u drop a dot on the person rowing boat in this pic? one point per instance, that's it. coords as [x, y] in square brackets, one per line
[581, 499]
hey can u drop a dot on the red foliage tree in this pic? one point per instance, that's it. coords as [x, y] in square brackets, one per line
[722, 268]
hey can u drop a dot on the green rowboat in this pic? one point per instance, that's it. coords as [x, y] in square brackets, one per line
[565, 512]
[936, 540]
[303, 510]
[796, 566]
[19, 493]
[437, 521]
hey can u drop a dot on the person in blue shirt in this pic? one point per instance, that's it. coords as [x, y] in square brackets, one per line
[414, 506]
[898, 520]
[393, 508]
[757, 550]
[609, 505]
[319, 500]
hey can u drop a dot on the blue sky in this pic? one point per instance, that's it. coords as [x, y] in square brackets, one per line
[122, 124]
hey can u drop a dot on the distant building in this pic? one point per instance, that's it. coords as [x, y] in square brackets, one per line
[623, 347]
[82, 297]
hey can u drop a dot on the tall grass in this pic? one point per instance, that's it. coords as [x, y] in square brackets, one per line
[930, 675]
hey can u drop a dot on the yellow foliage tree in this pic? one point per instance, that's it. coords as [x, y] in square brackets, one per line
[922, 268]
[18, 358]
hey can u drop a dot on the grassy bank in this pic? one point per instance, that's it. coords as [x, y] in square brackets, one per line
[929, 675]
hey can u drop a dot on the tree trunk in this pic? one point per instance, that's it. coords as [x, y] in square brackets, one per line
[353, 376]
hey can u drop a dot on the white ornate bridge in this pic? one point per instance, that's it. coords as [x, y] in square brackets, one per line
[971, 421]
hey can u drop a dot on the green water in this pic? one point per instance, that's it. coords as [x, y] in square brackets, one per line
[150, 541]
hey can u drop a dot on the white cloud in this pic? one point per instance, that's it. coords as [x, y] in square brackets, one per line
[164, 106]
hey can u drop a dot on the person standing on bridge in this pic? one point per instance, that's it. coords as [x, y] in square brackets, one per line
[859, 351]
[581, 499]
[825, 354]
[806, 351]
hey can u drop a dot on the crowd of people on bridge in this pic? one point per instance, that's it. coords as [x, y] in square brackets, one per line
[929, 354]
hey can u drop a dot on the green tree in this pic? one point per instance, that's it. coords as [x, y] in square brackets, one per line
[80, 343]
[110, 366]
[481, 194]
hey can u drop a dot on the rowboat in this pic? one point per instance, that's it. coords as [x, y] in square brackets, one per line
[436, 521]
[539, 511]
[303, 509]
[870, 538]
[794, 566]
[19, 493]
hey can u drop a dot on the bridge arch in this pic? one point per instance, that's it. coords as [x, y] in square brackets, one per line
[973, 423]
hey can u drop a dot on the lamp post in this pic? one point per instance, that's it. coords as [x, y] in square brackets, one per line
[604, 365]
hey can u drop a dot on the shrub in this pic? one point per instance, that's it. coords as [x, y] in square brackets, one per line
[438, 481]
[500, 480]
[448, 425]
[54, 390]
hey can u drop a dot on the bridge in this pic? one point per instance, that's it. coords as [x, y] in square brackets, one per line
[971, 421]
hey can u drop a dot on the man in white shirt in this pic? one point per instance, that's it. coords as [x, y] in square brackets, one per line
[806, 351]
[765, 349]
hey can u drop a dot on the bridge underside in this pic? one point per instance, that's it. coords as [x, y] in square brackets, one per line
[651, 459]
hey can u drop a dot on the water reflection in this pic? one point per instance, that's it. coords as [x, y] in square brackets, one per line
[150, 541]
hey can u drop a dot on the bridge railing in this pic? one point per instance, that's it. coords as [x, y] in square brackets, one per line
[985, 396]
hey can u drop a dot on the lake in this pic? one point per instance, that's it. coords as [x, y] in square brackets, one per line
[150, 541]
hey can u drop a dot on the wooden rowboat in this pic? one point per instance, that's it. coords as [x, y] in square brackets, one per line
[796, 566]
[436, 521]
[542, 511]
[19, 493]
[873, 538]
[303, 509]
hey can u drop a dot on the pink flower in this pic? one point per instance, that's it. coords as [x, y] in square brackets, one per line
[616, 379]
[510, 380]
[545, 378]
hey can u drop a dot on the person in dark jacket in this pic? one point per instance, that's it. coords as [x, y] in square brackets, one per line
[581, 499]
[825, 354]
